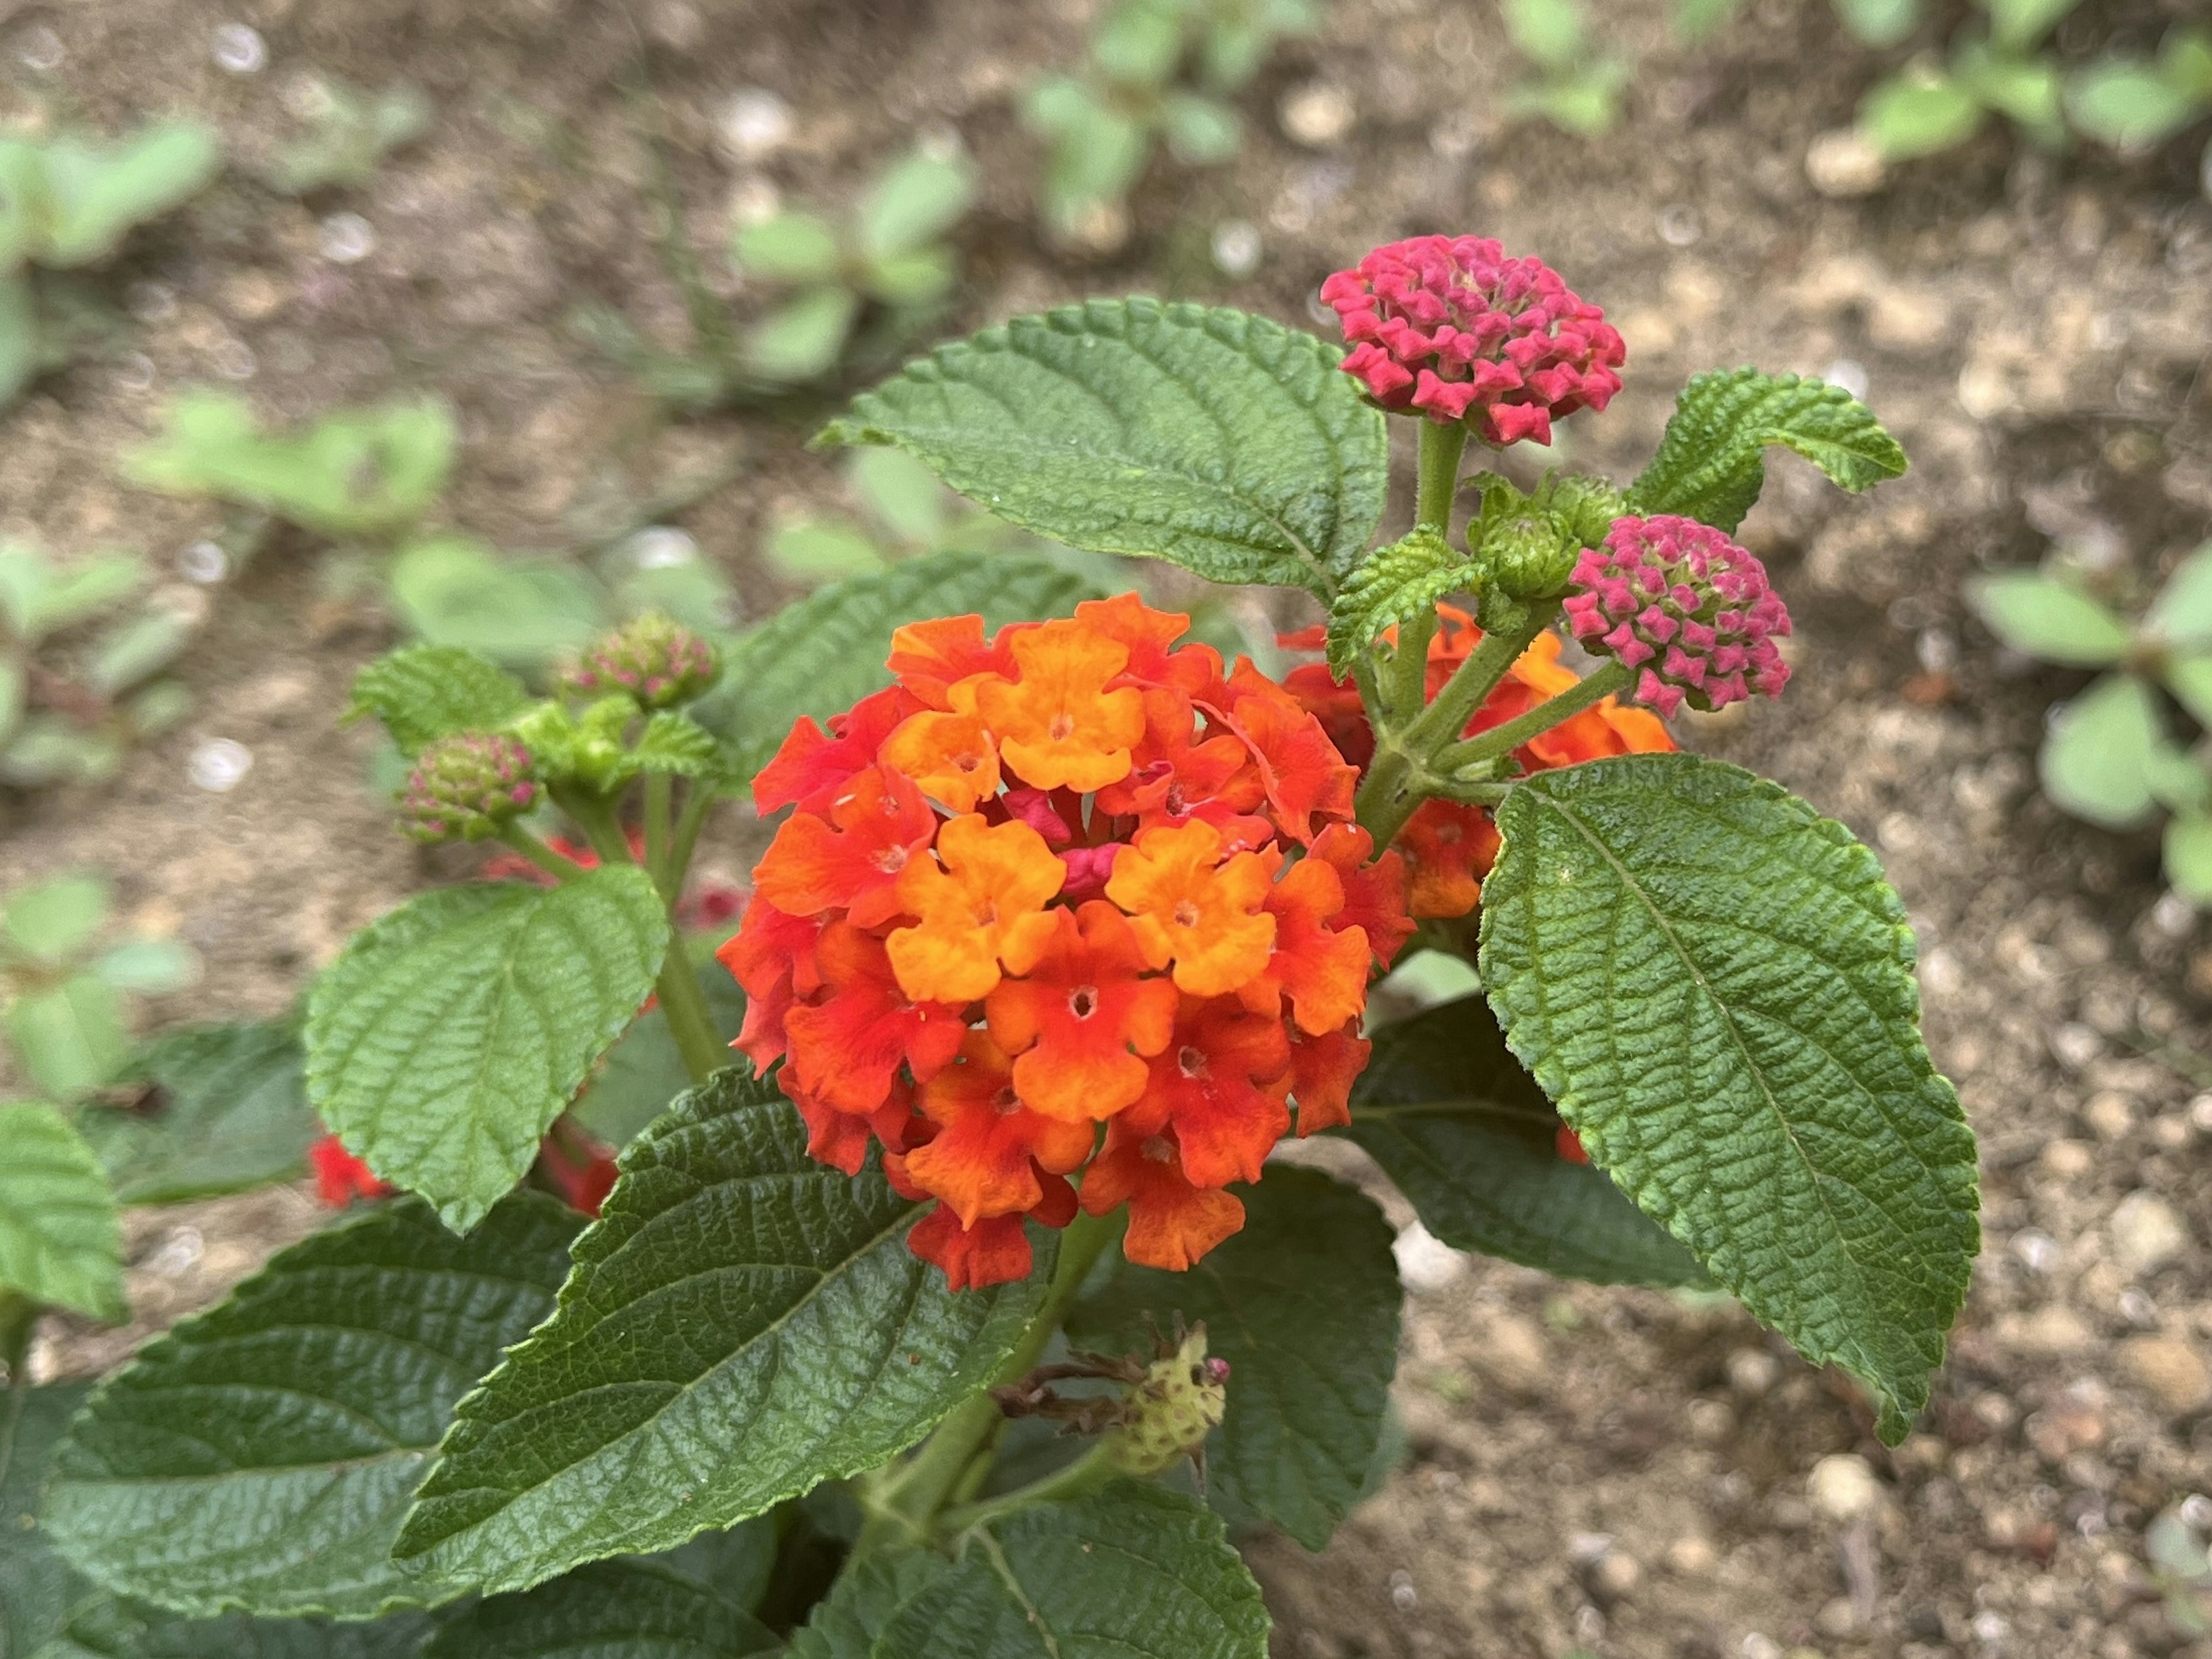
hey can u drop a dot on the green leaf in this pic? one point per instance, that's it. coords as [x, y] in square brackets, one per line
[792, 247]
[2017, 25]
[38, 598]
[1549, 32]
[1909, 116]
[1304, 1416]
[40, 1593]
[60, 1241]
[643, 1072]
[1472, 1141]
[355, 131]
[2096, 759]
[1221, 442]
[135, 650]
[2024, 90]
[821, 656]
[1202, 132]
[901, 493]
[2129, 106]
[424, 692]
[232, 1113]
[801, 341]
[150, 967]
[675, 743]
[356, 472]
[454, 592]
[260, 1456]
[2189, 856]
[916, 202]
[72, 1037]
[2190, 679]
[22, 350]
[2048, 618]
[816, 550]
[450, 1035]
[1710, 465]
[54, 921]
[1715, 983]
[2182, 614]
[678, 1605]
[742, 1324]
[1134, 1572]
[115, 1630]
[95, 193]
[1397, 583]
[1880, 22]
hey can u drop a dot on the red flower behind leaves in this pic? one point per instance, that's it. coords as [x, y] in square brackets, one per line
[340, 1177]
[1074, 874]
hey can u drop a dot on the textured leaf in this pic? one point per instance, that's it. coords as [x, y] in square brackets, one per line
[71, 1036]
[688, 1604]
[676, 743]
[2048, 618]
[1709, 465]
[1398, 583]
[424, 692]
[742, 1324]
[260, 1456]
[60, 1241]
[1304, 1416]
[1715, 985]
[1221, 442]
[232, 1113]
[118, 1630]
[450, 1035]
[1471, 1140]
[821, 656]
[2097, 758]
[1134, 1572]
[39, 1592]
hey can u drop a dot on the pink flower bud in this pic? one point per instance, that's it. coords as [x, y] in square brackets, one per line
[1449, 327]
[1680, 601]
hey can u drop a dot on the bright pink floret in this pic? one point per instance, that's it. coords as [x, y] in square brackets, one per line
[1450, 327]
[1680, 601]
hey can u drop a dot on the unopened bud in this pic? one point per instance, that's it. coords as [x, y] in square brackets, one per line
[657, 661]
[1167, 1416]
[466, 787]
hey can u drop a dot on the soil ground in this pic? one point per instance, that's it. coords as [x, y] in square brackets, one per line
[1630, 1474]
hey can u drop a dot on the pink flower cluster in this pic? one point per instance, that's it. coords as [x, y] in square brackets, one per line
[1450, 326]
[1686, 604]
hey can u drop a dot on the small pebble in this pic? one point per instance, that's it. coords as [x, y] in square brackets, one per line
[1680, 226]
[347, 238]
[240, 49]
[2068, 1159]
[1849, 373]
[1752, 1372]
[2037, 1250]
[1691, 1557]
[135, 372]
[1614, 1576]
[2147, 1233]
[1759, 1645]
[661, 547]
[752, 122]
[2174, 915]
[1843, 1486]
[234, 359]
[204, 561]
[1989, 1625]
[2171, 1132]
[39, 48]
[1425, 1262]
[219, 765]
[150, 302]
[1837, 1619]
[2138, 1308]
[1842, 163]
[2110, 1113]
[2169, 1371]
[2200, 1112]
[1236, 247]
[1317, 114]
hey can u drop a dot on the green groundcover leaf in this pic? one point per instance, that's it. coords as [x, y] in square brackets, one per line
[1715, 983]
[453, 1032]
[821, 656]
[742, 1324]
[1710, 465]
[2048, 618]
[424, 692]
[692, 1603]
[1222, 442]
[1134, 1571]
[1470, 1139]
[259, 1457]
[231, 1113]
[60, 1240]
[1305, 1415]
[40, 1593]
[2099, 754]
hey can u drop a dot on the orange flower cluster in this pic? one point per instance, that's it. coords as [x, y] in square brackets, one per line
[1066, 899]
[1449, 846]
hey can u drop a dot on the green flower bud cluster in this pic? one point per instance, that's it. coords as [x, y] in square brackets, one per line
[467, 787]
[1166, 1415]
[657, 662]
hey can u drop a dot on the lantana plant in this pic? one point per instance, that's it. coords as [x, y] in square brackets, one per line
[1065, 925]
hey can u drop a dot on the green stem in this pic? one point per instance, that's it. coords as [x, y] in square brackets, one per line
[595, 816]
[1087, 1474]
[18, 1317]
[905, 1501]
[1504, 739]
[1437, 483]
[698, 801]
[521, 840]
[1443, 721]
[658, 798]
[685, 1006]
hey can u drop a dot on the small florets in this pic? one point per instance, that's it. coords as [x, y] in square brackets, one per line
[464, 787]
[657, 661]
[1686, 607]
[1450, 327]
